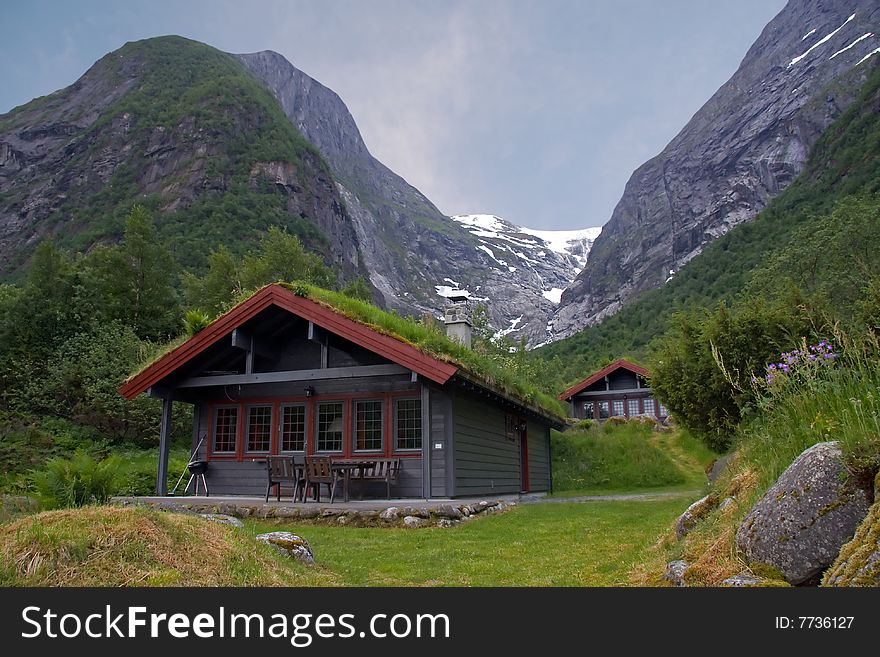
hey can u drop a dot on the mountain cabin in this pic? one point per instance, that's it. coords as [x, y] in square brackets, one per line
[619, 390]
[283, 373]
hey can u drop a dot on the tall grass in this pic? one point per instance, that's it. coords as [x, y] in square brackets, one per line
[839, 403]
[611, 457]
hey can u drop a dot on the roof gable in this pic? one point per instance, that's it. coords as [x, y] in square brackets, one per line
[393, 349]
[605, 371]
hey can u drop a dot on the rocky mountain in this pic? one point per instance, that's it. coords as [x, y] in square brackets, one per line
[222, 146]
[410, 249]
[539, 261]
[182, 128]
[743, 147]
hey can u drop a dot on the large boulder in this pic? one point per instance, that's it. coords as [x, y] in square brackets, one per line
[858, 563]
[290, 545]
[801, 523]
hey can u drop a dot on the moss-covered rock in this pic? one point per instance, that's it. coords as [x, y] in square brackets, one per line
[694, 513]
[858, 563]
[804, 519]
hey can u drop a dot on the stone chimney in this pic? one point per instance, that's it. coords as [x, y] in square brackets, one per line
[457, 317]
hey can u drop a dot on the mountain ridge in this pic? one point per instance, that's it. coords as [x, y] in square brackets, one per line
[744, 146]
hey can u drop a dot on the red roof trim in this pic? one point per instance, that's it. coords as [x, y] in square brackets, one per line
[393, 349]
[605, 371]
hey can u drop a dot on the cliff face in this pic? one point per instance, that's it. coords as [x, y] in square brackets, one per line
[409, 247]
[744, 146]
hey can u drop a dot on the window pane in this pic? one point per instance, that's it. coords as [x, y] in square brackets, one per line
[293, 428]
[330, 427]
[368, 425]
[633, 407]
[617, 406]
[409, 424]
[259, 431]
[649, 406]
[663, 411]
[603, 410]
[225, 424]
[588, 410]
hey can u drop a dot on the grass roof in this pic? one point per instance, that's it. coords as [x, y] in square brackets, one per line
[427, 338]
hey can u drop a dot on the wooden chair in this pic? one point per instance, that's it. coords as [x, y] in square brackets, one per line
[282, 470]
[382, 470]
[318, 470]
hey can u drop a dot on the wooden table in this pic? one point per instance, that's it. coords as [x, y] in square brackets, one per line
[346, 466]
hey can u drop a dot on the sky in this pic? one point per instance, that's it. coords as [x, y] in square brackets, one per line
[535, 110]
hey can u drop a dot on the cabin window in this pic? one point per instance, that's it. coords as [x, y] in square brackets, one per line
[649, 406]
[617, 407]
[259, 428]
[633, 405]
[225, 426]
[663, 411]
[329, 427]
[368, 426]
[408, 424]
[588, 410]
[603, 410]
[293, 428]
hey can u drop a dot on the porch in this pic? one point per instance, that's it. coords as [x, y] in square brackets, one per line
[369, 510]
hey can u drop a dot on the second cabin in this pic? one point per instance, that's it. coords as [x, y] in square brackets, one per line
[620, 389]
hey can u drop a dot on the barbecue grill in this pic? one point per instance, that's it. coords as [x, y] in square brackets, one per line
[197, 471]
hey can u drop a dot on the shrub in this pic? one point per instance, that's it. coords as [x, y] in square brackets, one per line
[77, 481]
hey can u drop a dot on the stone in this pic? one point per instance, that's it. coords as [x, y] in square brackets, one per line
[741, 580]
[727, 503]
[331, 513]
[290, 545]
[368, 514]
[417, 512]
[413, 521]
[806, 516]
[448, 511]
[309, 512]
[675, 572]
[858, 563]
[390, 514]
[342, 520]
[287, 512]
[718, 466]
[446, 522]
[693, 514]
[222, 519]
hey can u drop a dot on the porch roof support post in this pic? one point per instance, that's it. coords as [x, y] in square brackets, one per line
[426, 441]
[164, 447]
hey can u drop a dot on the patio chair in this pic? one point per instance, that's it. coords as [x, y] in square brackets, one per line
[318, 470]
[282, 470]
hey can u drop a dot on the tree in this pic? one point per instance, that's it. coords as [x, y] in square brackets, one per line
[133, 283]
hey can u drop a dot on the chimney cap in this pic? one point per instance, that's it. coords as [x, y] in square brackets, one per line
[453, 295]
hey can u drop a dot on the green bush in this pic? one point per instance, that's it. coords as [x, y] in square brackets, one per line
[77, 481]
[704, 366]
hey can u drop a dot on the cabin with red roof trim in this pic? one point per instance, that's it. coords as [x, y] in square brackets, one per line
[281, 373]
[621, 389]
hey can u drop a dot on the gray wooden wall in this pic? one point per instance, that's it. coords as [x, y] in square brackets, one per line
[539, 456]
[486, 461]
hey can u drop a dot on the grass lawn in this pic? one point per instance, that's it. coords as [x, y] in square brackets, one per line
[587, 544]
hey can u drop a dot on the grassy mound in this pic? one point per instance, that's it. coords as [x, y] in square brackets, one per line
[624, 457]
[842, 405]
[109, 546]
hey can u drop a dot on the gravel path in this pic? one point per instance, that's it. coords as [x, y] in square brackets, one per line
[638, 497]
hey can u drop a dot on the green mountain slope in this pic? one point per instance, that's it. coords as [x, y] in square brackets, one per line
[821, 233]
[182, 128]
